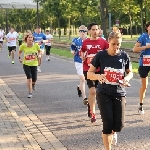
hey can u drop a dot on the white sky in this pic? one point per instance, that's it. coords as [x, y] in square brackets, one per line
[17, 4]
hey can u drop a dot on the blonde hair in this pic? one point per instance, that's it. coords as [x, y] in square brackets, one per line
[82, 27]
[115, 35]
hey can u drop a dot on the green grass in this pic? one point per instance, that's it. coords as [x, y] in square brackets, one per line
[128, 37]
[128, 45]
[67, 54]
[62, 52]
[135, 67]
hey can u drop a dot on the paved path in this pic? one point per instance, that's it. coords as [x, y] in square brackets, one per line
[55, 117]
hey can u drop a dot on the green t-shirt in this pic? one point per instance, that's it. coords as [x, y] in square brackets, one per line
[20, 36]
[30, 54]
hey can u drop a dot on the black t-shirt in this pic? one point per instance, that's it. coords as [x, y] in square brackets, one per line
[114, 67]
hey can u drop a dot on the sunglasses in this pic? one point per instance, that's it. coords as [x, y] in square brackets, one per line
[82, 31]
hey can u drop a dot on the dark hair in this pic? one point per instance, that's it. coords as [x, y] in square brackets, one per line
[38, 27]
[91, 24]
[146, 26]
[26, 36]
[47, 30]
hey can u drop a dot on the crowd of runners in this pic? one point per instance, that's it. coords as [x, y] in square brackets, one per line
[99, 62]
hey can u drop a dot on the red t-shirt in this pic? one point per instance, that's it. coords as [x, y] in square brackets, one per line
[90, 49]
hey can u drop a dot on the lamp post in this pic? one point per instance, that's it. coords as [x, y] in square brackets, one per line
[37, 12]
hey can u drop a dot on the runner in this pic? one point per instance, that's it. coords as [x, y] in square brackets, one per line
[1, 38]
[143, 46]
[20, 38]
[75, 49]
[11, 38]
[110, 93]
[39, 37]
[101, 34]
[30, 61]
[48, 44]
[90, 47]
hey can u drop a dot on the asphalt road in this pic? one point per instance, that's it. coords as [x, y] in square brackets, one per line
[57, 105]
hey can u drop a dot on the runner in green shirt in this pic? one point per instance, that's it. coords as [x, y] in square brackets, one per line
[20, 38]
[30, 61]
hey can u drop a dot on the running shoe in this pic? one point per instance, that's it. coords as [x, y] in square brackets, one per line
[33, 86]
[30, 95]
[85, 101]
[12, 62]
[89, 111]
[38, 69]
[141, 110]
[48, 59]
[93, 118]
[79, 92]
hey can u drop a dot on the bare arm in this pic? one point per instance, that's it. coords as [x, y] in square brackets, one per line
[129, 75]
[138, 48]
[92, 76]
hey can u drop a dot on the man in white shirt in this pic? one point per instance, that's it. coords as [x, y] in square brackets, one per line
[48, 44]
[11, 38]
[1, 38]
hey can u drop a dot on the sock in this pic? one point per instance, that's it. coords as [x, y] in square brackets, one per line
[141, 104]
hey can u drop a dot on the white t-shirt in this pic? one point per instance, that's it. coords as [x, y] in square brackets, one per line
[12, 39]
[49, 36]
[1, 36]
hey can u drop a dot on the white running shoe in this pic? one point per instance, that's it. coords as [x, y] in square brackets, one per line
[114, 139]
[38, 69]
[30, 95]
[141, 110]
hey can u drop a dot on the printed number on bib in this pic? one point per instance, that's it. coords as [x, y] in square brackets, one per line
[113, 75]
[146, 60]
[89, 58]
[30, 57]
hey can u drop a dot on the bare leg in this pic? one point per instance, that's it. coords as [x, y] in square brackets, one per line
[107, 140]
[144, 82]
[92, 99]
[82, 85]
[29, 84]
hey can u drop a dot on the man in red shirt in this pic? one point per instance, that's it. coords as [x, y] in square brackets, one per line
[90, 47]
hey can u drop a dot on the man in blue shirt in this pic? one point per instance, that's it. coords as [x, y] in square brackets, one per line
[38, 38]
[75, 50]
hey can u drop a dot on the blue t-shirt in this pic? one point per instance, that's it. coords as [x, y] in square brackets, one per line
[38, 37]
[76, 46]
[144, 39]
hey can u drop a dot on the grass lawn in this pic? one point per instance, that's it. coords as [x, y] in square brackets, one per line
[128, 37]
[61, 52]
[66, 53]
[128, 45]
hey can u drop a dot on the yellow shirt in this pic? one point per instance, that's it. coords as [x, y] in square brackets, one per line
[30, 54]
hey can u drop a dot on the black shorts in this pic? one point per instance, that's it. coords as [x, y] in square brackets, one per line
[48, 48]
[20, 42]
[112, 111]
[143, 71]
[90, 83]
[1, 42]
[31, 72]
[11, 48]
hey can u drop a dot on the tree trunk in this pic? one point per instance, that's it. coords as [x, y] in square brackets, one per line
[59, 30]
[104, 16]
[130, 25]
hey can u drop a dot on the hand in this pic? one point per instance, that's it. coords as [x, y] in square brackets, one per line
[72, 52]
[39, 56]
[83, 58]
[102, 78]
[124, 82]
[148, 46]
[20, 60]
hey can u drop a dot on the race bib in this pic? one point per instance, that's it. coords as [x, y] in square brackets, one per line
[146, 60]
[89, 58]
[30, 57]
[113, 75]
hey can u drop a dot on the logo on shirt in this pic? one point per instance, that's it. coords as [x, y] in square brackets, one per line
[120, 60]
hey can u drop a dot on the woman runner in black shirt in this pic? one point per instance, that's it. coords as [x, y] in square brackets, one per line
[114, 65]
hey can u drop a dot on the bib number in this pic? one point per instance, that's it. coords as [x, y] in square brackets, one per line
[113, 75]
[146, 60]
[89, 58]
